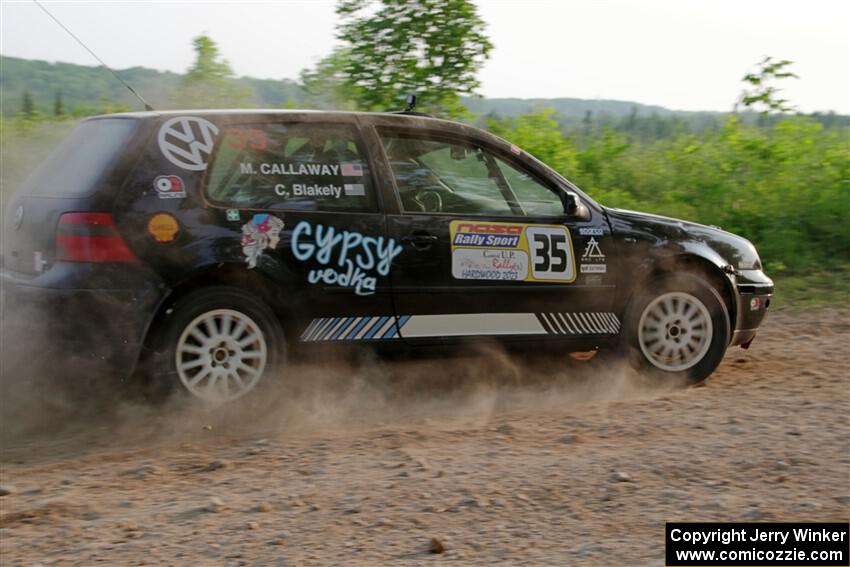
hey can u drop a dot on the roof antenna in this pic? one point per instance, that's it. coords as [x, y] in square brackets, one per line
[410, 103]
[138, 96]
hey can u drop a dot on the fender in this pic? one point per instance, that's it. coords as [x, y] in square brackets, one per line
[281, 297]
[649, 245]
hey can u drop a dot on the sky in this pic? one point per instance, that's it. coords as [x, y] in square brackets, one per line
[681, 54]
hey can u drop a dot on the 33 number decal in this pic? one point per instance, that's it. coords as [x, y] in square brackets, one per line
[240, 138]
[551, 253]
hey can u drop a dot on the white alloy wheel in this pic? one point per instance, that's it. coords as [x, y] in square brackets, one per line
[221, 355]
[675, 331]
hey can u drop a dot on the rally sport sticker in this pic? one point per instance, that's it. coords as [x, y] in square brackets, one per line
[512, 252]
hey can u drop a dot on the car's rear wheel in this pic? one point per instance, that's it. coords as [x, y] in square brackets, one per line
[218, 345]
[678, 327]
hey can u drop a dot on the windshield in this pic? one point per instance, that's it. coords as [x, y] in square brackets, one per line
[82, 159]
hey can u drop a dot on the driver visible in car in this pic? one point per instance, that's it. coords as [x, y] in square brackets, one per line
[417, 185]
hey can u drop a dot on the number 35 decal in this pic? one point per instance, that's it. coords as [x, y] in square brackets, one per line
[551, 254]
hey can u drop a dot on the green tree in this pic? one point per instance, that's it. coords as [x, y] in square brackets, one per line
[27, 106]
[327, 85]
[391, 48]
[540, 135]
[58, 110]
[760, 94]
[209, 83]
[208, 66]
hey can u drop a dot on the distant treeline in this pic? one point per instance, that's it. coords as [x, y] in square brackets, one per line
[78, 90]
[86, 90]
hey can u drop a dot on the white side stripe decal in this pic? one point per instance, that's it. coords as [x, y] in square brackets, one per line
[371, 328]
[470, 324]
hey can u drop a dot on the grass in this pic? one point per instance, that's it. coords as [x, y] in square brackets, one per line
[813, 289]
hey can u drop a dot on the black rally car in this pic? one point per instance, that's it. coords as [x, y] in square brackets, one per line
[201, 243]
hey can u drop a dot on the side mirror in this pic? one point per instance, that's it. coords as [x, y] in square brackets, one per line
[570, 202]
[573, 207]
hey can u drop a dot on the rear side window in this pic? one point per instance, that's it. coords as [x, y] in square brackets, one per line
[309, 167]
[83, 159]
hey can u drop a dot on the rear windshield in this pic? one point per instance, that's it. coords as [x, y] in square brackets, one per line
[82, 159]
[295, 166]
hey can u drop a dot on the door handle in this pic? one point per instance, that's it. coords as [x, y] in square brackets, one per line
[420, 240]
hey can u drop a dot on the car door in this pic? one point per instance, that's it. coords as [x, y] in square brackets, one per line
[301, 198]
[488, 249]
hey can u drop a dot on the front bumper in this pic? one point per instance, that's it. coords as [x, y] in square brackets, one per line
[79, 317]
[754, 291]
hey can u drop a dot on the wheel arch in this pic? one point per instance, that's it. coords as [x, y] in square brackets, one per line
[276, 296]
[708, 269]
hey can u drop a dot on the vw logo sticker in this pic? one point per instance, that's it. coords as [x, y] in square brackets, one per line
[187, 141]
[19, 217]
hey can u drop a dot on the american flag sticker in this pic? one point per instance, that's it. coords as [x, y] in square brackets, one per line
[352, 170]
[354, 190]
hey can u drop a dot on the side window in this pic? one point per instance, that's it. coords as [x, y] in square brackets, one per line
[536, 199]
[436, 175]
[303, 166]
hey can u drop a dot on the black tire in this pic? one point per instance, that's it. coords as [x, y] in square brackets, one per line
[654, 324]
[228, 310]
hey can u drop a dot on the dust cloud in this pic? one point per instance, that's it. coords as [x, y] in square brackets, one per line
[363, 460]
[62, 402]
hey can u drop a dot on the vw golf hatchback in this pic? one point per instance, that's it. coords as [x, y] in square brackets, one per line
[200, 246]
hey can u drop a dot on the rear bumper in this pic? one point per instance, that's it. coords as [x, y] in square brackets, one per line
[62, 320]
[754, 295]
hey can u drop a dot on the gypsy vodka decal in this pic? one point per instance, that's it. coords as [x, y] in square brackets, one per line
[347, 258]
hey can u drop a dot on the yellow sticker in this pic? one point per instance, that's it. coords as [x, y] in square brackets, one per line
[507, 251]
[163, 227]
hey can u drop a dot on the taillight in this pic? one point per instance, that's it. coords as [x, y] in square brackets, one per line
[90, 237]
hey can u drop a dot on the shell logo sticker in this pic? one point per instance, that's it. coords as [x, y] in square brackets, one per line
[163, 227]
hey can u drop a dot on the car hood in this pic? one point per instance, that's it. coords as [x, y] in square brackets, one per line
[738, 251]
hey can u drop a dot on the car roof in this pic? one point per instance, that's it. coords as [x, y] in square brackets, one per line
[152, 114]
[411, 119]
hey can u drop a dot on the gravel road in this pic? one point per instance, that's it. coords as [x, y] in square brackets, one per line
[483, 459]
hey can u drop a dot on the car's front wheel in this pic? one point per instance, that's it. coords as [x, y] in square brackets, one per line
[218, 344]
[678, 326]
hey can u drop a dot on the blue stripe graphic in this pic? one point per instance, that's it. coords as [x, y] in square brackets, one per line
[318, 329]
[391, 332]
[342, 328]
[335, 327]
[331, 321]
[375, 328]
[327, 329]
[358, 327]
